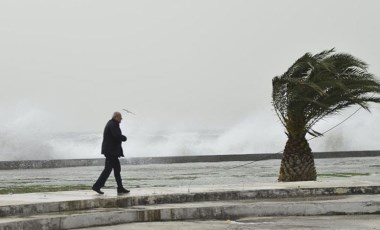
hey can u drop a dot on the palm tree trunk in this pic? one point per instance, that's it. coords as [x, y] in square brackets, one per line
[297, 161]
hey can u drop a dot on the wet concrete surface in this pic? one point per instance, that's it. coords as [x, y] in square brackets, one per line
[359, 222]
[340, 187]
[75, 209]
[191, 174]
[187, 178]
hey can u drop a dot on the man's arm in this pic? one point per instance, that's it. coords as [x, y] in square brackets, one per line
[116, 133]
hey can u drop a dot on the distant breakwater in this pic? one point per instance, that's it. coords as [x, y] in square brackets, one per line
[37, 164]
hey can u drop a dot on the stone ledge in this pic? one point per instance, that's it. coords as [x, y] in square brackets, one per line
[62, 163]
[348, 205]
[276, 191]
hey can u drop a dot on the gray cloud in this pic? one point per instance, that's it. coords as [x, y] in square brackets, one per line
[177, 64]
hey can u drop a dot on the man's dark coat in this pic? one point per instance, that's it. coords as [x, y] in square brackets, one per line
[112, 138]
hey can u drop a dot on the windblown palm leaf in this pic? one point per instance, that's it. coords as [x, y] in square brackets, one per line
[320, 85]
[316, 86]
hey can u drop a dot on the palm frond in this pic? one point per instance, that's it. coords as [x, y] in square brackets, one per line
[319, 85]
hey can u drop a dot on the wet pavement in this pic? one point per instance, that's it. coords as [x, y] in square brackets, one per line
[339, 176]
[76, 209]
[234, 173]
[45, 197]
[359, 222]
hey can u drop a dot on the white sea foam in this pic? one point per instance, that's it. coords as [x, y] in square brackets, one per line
[28, 136]
[25, 136]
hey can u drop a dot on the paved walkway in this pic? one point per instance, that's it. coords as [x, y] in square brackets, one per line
[79, 209]
[152, 183]
[185, 174]
[31, 198]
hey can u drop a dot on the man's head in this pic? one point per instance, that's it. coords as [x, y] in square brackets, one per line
[117, 116]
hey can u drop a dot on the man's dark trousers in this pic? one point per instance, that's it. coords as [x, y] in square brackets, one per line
[111, 163]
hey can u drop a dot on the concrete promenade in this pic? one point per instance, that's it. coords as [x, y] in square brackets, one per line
[212, 195]
[80, 209]
[211, 174]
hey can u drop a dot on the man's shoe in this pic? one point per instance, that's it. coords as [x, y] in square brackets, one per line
[122, 190]
[97, 190]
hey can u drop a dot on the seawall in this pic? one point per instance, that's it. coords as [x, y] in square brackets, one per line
[34, 164]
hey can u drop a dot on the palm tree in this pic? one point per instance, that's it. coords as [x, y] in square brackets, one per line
[314, 87]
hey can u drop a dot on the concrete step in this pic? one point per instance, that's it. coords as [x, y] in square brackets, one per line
[310, 206]
[69, 220]
[32, 204]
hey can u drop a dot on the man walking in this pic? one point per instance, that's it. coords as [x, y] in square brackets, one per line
[112, 150]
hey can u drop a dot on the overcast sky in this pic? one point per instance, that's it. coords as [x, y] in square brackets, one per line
[194, 64]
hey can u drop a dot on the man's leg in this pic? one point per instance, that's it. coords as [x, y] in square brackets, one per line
[116, 172]
[105, 174]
